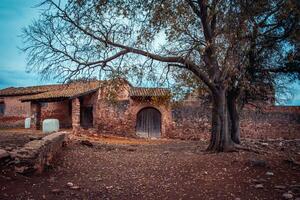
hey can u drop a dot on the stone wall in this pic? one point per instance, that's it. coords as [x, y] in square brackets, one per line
[75, 114]
[118, 116]
[38, 154]
[14, 107]
[15, 112]
[272, 122]
[194, 122]
[114, 118]
[190, 122]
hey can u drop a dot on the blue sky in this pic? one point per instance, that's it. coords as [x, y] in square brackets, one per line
[14, 15]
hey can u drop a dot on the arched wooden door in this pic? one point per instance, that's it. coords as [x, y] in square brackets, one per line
[148, 123]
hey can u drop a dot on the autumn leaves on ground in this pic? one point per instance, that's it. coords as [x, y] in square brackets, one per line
[122, 168]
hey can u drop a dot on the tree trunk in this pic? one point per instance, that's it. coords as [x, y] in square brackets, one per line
[234, 117]
[220, 137]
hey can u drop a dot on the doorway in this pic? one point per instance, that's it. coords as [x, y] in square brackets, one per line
[149, 123]
[86, 116]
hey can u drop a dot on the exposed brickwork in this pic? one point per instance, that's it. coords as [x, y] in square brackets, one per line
[35, 122]
[114, 118]
[14, 107]
[15, 112]
[57, 110]
[12, 122]
[75, 114]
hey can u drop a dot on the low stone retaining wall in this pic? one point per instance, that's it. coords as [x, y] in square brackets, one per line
[37, 154]
[4, 157]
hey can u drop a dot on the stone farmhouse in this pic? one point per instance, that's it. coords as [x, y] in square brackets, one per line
[114, 107]
[117, 107]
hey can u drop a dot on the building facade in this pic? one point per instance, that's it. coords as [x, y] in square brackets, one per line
[116, 107]
[113, 107]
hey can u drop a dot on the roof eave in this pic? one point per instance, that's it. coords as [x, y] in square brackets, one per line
[147, 96]
[55, 99]
[12, 95]
[83, 93]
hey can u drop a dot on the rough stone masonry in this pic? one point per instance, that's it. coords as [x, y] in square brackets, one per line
[38, 154]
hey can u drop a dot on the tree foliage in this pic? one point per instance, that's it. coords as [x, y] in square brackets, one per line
[235, 48]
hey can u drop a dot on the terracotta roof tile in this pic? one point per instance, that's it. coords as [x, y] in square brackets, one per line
[148, 92]
[49, 92]
[66, 91]
[18, 91]
[13, 91]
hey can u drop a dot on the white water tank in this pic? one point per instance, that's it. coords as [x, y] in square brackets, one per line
[50, 125]
[27, 122]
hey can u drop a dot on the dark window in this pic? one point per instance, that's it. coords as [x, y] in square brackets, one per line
[86, 116]
[70, 108]
[44, 104]
[2, 108]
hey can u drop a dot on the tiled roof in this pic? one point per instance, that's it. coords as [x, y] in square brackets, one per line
[66, 91]
[148, 92]
[48, 92]
[13, 91]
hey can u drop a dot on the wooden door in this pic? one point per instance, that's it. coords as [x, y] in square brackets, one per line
[148, 123]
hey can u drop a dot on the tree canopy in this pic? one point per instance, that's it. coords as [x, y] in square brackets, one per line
[236, 48]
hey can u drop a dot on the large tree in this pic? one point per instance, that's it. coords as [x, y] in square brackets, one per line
[210, 39]
[271, 59]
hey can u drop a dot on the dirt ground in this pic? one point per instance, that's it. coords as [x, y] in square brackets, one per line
[122, 168]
